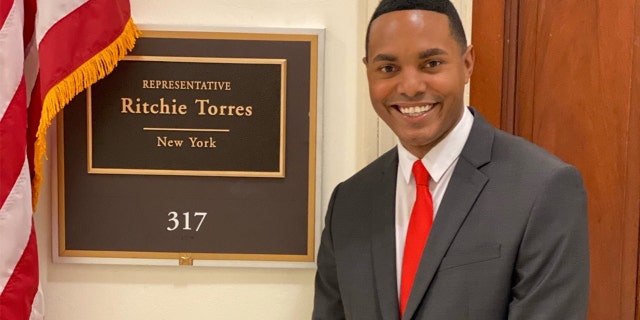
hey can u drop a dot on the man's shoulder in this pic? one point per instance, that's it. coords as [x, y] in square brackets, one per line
[374, 171]
[508, 147]
[488, 144]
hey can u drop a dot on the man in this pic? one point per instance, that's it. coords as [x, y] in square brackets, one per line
[494, 228]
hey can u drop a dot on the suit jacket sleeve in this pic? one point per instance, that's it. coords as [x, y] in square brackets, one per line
[327, 301]
[551, 276]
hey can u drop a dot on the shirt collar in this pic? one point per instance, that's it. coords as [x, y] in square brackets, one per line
[442, 155]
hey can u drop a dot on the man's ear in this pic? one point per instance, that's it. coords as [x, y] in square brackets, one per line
[468, 58]
[364, 60]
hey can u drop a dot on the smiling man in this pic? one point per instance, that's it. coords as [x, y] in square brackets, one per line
[461, 220]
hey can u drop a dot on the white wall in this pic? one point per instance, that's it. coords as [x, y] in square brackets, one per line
[96, 292]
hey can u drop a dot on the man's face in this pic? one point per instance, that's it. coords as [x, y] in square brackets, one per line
[416, 76]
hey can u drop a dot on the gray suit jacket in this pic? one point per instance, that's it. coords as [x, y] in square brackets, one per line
[510, 240]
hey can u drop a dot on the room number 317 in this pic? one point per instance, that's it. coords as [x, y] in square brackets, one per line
[176, 221]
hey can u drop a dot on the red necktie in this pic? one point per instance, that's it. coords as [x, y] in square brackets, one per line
[417, 233]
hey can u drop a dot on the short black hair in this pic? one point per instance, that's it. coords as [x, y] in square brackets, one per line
[441, 6]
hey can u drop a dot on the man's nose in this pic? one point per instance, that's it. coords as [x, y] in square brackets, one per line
[411, 83]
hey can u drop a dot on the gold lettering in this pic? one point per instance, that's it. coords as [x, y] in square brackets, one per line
[126, 105]
[199, 143]
[145, 106]
[165, 142]
[162, 142]
[152, 108]
[222, 110]
[164, 108]
[186, 85]
[202, 102]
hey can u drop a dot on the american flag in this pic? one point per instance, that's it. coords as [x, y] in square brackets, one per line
[50, 50]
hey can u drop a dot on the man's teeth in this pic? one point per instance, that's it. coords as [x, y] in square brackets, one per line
[414, 111]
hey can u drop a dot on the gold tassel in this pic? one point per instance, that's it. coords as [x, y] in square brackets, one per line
[87, 74]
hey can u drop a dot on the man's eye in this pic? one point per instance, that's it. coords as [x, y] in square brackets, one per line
[387, 68]
[433, 63]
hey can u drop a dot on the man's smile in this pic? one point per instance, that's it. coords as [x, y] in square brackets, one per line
[414, 110]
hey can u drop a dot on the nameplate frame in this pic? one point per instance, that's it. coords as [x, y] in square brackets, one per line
[256, 217]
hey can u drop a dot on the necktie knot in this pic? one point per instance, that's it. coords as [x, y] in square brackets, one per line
[420, 173]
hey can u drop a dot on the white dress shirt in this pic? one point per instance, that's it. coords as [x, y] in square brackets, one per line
[440, 162]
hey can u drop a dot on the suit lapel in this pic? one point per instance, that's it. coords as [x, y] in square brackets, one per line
[464, 187]
[383, 238]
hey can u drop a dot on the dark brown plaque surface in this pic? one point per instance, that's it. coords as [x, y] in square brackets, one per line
[198, 146]
[189, 116]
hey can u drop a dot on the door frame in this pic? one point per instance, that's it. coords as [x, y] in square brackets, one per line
[493, 90]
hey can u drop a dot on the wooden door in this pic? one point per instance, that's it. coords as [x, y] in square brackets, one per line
[565, 74]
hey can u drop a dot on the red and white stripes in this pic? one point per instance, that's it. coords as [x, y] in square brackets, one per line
[45, 60]
[19, 281]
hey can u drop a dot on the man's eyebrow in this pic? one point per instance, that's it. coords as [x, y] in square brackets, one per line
[422, 55]
[384, 57]
[431, 52]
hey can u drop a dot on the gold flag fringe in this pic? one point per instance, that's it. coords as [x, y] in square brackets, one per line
[84, 76]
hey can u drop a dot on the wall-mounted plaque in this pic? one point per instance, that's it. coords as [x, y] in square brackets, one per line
[200, 146]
